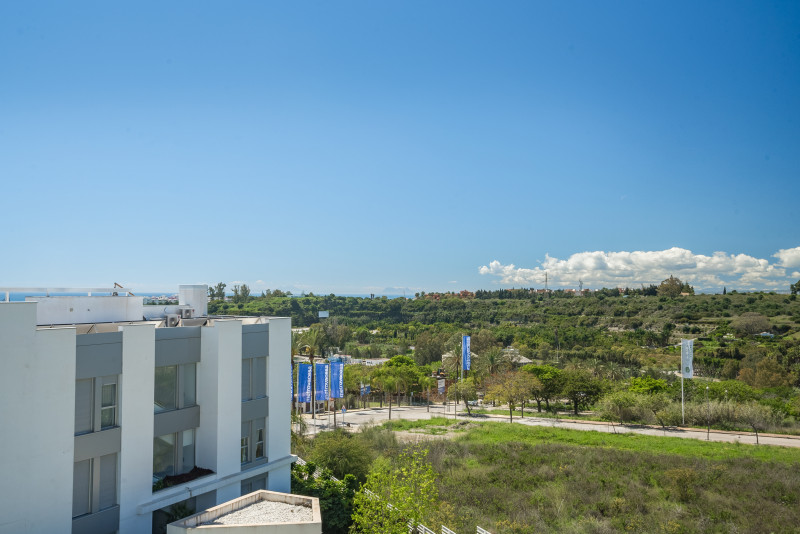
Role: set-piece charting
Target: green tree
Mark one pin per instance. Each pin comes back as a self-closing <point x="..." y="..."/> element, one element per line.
<point x="756" y="416"/>
<point x="217" y="292"/>
<point x="428" y="348"/>
<point x="673" y="287"/>
<point x="341" y="452"/>
<point x="464" y="390"/>
<point x="512" y="388"/>
<point x="408" y="486"/>
<point x="648" y="384"/>
<point x="750" y="323"/>
<point x="550" y="379"/>
<point x="657" y="404"/>
<point x="385" y="378"/>
<point x="335" y="496"/>
<point x="795" y="288"/>
<point x="580" y="388"/>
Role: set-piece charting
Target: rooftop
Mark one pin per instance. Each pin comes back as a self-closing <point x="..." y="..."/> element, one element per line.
<point x="279" y="513"/>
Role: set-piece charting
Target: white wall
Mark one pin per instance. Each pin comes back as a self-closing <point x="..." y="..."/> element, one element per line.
<point x="85" y="309"/>
<point x="136" y="422"/>
<point x="37" y="395"/>
<point x="279" y="421"/>
<point x="219" y="386"/>
<point x="195" y="296"/>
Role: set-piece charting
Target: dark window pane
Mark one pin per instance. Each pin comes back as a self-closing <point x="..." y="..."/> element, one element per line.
<point x="81" y="488"/>
<point x="166" y="388"/>
<point x="189" y="378"/>
<point x="108" y="481"/>
<point x="164" y="455"/>
<point x="84" y="405"/>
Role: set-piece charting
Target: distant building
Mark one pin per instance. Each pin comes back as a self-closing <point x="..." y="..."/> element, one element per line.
<point x="107" y="401"/>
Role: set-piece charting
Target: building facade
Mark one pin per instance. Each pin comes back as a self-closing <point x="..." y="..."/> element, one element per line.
<point x="123" y="425"/>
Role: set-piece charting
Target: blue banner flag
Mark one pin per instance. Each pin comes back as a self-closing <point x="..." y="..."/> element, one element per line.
<point x="291" y="380"/>
<point x="304" y="382"/>
<point x="337" y="380"/>
<point x="364" y="389"/>
<point x="465" y="353"/>
<point x="321" y="382"/>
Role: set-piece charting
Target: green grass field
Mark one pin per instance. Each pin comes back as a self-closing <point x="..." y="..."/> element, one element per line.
<point x="519" y="479"/>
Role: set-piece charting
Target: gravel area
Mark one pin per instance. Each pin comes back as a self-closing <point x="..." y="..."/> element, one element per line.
<point x="265" y="512"/>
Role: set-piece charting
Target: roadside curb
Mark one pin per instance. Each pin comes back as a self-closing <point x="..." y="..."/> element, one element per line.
<point x="634" y="426"/>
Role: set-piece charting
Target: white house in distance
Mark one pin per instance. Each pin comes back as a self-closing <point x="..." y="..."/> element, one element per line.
<point x="117" y="417"/>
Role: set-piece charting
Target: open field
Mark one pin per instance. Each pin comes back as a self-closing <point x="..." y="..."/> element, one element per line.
<point x="514" y="479"/>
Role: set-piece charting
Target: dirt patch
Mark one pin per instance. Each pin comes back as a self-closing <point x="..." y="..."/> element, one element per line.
<point x="434" y="432"/>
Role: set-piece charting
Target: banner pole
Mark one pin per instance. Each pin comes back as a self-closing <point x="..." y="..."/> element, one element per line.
<point x="683" y="413"/>
<point x="314" y="398"/>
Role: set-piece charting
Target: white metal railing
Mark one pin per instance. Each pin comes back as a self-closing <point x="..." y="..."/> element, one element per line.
<point x="482" y="531"/>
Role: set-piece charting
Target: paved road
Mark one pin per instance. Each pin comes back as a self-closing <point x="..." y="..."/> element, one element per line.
<point x="357" y="418"/>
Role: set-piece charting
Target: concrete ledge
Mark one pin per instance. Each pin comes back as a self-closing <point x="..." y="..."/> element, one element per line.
<point x="195" y="522"/>
<point x="103" y="521"/>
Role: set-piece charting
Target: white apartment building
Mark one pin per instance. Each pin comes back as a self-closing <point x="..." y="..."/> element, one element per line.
<point x="108" y="406"/>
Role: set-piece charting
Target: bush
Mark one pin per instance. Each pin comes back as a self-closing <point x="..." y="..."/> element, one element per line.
<point x="343" y="453"/>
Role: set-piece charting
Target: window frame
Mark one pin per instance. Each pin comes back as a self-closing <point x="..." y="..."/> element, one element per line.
<point x="180" y="387"/>
<point x="244" y="443"/>
<point x="96" y="403"/>
<point x="106" y="381"/>
<point x="95" y="482"/>
<point x="260" y="442"/>
<point x="178" y="456"/>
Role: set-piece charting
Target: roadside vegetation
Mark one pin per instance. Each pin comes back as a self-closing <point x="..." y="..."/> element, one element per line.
<point x="609" y="355"/>
<point x="519" y="479"/>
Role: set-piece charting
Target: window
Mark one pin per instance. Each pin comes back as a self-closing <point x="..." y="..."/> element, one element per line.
<point x="96" y="403"/>
<point x="164" y="456"/>
<point x="94" y="485"/>
<point x="187" y="462"/>
<point x="166" y="388"/>
<point x="259" y="443"/>
<point x="82" y="488"/>
<point x="245" y="443"/>
<point x="254" y="378"/>
<point x="173" y="454"/>
<point x="175" y="387"/>
<point x="254" y="484"/>
<point x="108" y="407"/>
<point x="84" y="406"/>
<point x="246" y="386"/>
<point x="253" y="432"/>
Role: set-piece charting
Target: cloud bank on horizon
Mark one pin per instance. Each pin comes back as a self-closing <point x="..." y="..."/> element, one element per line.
<point x="632" y="268"/>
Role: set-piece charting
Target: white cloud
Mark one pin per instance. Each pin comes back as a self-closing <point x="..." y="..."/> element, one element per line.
<point x="613" y="269"/>
<point x="789" y="258"/>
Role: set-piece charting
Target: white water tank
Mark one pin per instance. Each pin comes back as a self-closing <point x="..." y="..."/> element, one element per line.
<point x="195" y="296"/>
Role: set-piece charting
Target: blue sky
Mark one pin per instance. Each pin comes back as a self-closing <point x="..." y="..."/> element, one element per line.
<point x="351" y="147"/>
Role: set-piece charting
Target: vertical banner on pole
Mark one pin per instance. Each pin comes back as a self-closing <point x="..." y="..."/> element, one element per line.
<point x="441" y="385"/>
<point x="465" y="353"/>
<point x="687" y="358"/>
<point x="337" y="380"/>
<point x="304" y="382"/>
<point x="291" y="380"/>
<point x="321" y="384"/>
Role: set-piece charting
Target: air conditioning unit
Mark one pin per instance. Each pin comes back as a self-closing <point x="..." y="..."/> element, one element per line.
<point x="173" y="319"/>
<point x="186" y="313"/>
